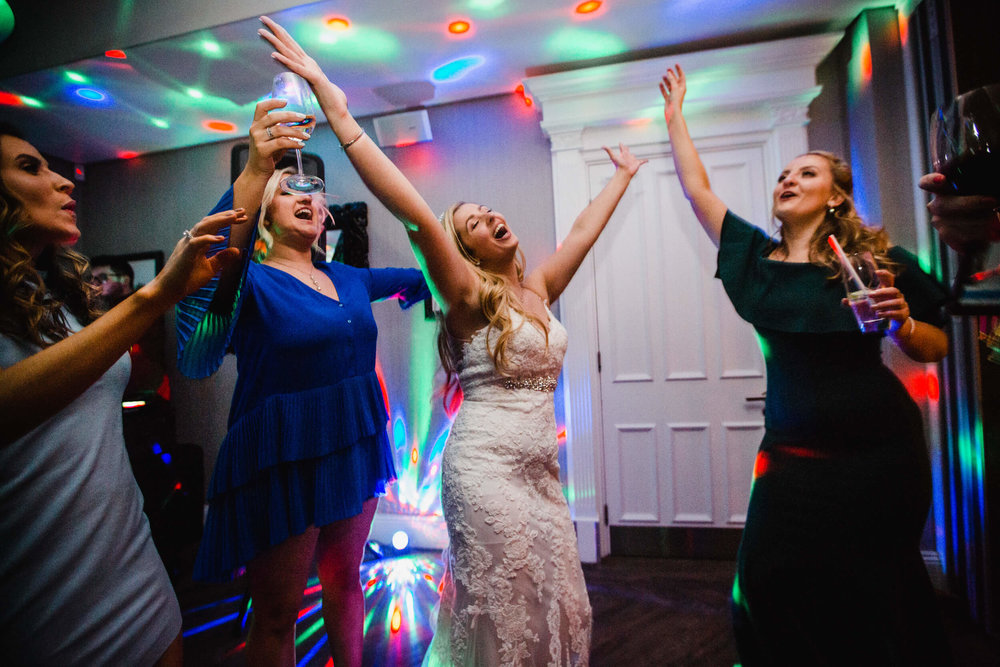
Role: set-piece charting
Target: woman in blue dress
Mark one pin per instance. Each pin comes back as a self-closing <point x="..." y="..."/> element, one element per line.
<point x="829" y="570"/>
<point x="306" y="454"/>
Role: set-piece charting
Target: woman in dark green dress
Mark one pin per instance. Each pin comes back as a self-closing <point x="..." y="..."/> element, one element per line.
<point x="829" y="570"/>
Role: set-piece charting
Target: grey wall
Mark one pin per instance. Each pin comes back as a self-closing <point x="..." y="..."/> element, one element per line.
<point x="490" y="151"/>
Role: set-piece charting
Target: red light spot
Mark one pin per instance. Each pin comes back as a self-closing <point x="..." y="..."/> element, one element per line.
<point x="904" y="29"/>
<point x="866" y="62"/>
<point x="127" y="155"/>
<point x="177" y="486"/>
<point x="338" y="23"/>
<point x="397" y="619"/>
<point x="459" y="27"/>
<point x="413" y="455"/>
<point x="10" y="99"/>
<point x="933" y="388"/>
<point x="588" y="7"/>
<point x="428" y="577"/>
<point x="115" y="53"/>
<point x="371" y="582"/>
<point x="519" y="91"/>
<point x="761" y="464"/>
<point x="405" y="142"/>
<point x="219" y="126"/>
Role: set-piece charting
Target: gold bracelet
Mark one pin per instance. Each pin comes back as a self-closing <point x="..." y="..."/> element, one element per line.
<point x="913" y="326"/>
<point x="361" y="133"/>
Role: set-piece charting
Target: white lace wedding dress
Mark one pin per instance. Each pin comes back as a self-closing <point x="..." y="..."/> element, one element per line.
<point x="513" y="591"/>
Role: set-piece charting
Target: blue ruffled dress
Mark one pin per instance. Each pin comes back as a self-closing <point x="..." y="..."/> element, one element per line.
<point x="307" y="442"/>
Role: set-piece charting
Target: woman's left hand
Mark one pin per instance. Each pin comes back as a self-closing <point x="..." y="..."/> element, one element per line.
<point x="888" y="301"/>
<point x="625" y="160"/>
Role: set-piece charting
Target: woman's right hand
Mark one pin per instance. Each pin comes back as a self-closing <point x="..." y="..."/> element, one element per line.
<point x="673" y="88"/>
<point x="269" y="139"/>
<point x="188" y="266"/>
<point x="288" y="52"/>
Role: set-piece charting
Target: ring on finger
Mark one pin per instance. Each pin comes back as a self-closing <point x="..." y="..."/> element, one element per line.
<point x="270" y="135"/>
<point x="187" y="234"/>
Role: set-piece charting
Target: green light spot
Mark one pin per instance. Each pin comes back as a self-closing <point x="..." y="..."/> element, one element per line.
<point x="310" y="631"/>
<point x="489" y="6"/>
<point x="211" y="47"/>
<point x="77" y="77"/>
<point x="581" y="44"/>
<point x="195" y="93"/>
<point x="159" y="122"/>
<point x="31" y="102"/>
<point x="357" y="44"/>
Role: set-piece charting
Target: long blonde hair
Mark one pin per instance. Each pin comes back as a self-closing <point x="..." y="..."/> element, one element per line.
<point x="31" y="306"/>
<point x="265" y="239"/>
<point x="845" y="224"/>
<point x="496" y="299"/>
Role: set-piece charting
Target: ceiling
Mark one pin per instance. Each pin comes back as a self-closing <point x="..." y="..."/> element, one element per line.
<point x="193" y="70"/>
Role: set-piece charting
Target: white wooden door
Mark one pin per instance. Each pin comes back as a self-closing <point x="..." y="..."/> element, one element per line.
<point x="677" y="363"/>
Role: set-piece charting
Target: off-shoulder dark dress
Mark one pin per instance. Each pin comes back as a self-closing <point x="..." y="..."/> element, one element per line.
<point x="829" y="569"/>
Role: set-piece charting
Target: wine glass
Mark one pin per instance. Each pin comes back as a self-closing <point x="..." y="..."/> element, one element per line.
<point x="965" y="147"/>
<point x="298" y="97"/>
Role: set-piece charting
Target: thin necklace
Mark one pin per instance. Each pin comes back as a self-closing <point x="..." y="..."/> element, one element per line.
<point x="297" y="269"/>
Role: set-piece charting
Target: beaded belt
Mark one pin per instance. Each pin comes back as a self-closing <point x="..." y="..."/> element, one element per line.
<point x="540" y="383"/>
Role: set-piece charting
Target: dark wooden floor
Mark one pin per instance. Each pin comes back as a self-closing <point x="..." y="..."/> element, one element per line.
<point x="647" y="611"/>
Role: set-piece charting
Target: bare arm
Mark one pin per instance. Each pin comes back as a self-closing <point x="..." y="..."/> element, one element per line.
<point x="962" y="221"/>
<point x="708" y="208"/>
<point x="35" y="389"/>
<point x="558" y="269"/>
<point x="453" y="282"/>
<point x="268" y="142"/>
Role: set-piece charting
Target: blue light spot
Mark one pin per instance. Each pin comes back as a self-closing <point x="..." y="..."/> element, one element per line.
<point x="456" y="69"/>
<point x="156" y="448"/>
<point x="166" y="458"/>
<point x="91" y="94"/>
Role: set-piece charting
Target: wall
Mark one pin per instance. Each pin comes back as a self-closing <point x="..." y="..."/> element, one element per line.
<point x="490" y="150"/>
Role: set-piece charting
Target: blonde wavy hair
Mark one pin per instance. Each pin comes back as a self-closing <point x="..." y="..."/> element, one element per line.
<point x="31" y="306"/>
<point x="845" y="224"/>
<point x="265" y="240"/>
<point x="497" y="301"/>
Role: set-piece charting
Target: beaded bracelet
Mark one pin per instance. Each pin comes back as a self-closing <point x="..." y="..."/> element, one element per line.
<point x="361" y="133"/>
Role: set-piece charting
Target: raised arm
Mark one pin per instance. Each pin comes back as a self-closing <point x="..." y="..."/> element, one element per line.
<point x="453" y="282"/>
<point x="35" y="389"/>
<point x="708" y="208"/>
<point x="553" y="274"/>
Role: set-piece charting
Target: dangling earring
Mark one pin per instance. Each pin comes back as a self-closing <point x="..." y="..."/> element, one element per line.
<point x="831" y="211"/>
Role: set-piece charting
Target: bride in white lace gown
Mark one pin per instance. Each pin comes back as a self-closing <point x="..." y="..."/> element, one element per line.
<point x="514" y="593"/>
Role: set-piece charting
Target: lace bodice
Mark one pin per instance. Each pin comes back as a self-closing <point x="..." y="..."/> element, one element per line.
<point x="513" y="592"/>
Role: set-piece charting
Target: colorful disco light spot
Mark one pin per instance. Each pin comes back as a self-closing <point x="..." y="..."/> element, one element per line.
<point x="338" y="23"/>
<point x="491" y="6"/>
<point x="397" y="620"/>
<point x="211" y="47"/>
<point x="460" y="27"/>
<point x="92" y="95"/>
<point x="358" y="44"/>
<point x="76" y="77"/>
<point x="127" y="155"/>
<point x="220" y="126"/>
<point x="400" y="540"/>
<point x="520" y="92"/>
<point x="160" y="123"/>
<point x="456" y="69"/>
<point x="580" y="44"/>
<point x="117" y="54"/>
<point x="10" y="99"/>
<point x="31" y="102"/>
<point x="588" y="7"/>
<point x="195" y="93"/>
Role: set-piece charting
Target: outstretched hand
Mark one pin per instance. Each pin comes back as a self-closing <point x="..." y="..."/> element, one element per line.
<point x="288" y="52"/>
<point x="188" y="266"/>
<point x="673" y="88"/>
<point x="625" y="160"/>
